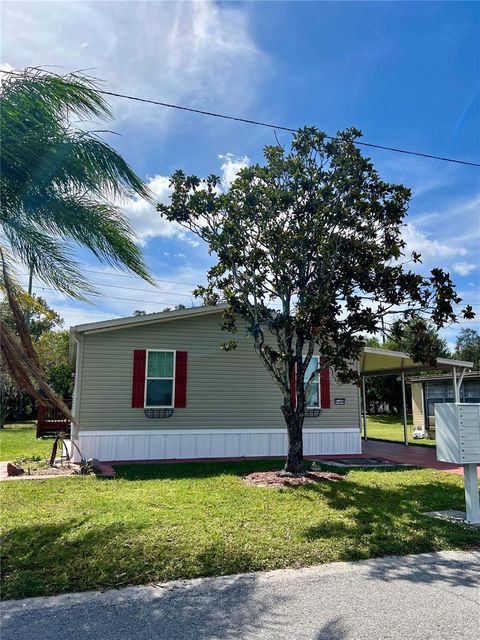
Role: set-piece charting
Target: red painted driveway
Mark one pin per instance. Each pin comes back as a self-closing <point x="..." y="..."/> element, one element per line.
<point x="415" y="455"/>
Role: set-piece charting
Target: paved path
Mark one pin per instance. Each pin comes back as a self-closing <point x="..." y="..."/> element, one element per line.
<point x="430" y="596"/>
<point x="413" y="454"/>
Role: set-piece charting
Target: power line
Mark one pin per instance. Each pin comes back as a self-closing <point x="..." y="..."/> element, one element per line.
<point x="145" y="302"/>
<point x="269" y="125"/>
<point x="124" y="275"/>
<point x="101" y="295"/>
<point x="119" y="286"/>
<point x="259" y="123"/>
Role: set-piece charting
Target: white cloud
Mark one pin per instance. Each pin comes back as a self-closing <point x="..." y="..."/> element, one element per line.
<point x="463" y="268"/>
<point x="147" y="221"/>
<point x="230" y="167"/>
<point x="423" y="243"/>
<point x="200" y="53"/>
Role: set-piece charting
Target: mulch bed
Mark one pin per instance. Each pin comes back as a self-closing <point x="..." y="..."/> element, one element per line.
<point x="274" y="479"/>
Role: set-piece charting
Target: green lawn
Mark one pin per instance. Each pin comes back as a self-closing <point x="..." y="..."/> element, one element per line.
<point x="390" y="428"/>
<point x="17" y="440"/>
<point x="159" y="522"/>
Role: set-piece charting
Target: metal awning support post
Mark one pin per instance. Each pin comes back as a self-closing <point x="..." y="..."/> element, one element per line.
<point x="460" y="381"/>
<point x="456" y="389"/>
<point x="364" y="409"/>
<point x="404" y="404"/>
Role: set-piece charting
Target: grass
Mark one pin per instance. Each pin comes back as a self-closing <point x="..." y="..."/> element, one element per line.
<point x="161" y="522"/>
<point x="18" y="440"/>
<point x="390" y="429"/>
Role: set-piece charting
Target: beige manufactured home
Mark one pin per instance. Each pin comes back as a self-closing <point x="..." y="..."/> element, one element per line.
<point x="159" y="387"/>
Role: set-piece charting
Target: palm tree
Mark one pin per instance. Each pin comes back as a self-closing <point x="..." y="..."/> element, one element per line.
<point x="60" y="182"/>
<point x="61" y="185"/>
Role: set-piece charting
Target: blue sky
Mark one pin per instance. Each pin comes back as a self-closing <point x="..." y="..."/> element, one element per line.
<point x="406" y="73"/>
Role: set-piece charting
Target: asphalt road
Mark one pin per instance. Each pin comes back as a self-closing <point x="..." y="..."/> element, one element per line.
<point x="426" y="596"/>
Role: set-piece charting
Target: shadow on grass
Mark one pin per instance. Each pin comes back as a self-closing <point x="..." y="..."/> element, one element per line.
<point x="389" y="520"/>
<point x="79" y="556"/>
<point x="201" y="470"/>
<point x="192" y="470"/>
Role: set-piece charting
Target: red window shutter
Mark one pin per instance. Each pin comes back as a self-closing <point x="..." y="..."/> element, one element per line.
<point x="293" y="385"/>
<point x="181" y="379"/>
<point x="138" y="381"/>
<point x="324" y="387"/>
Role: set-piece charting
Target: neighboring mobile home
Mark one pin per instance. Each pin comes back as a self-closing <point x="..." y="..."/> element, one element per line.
<point x="428" y="390"/>
<point x="159" y="387"/>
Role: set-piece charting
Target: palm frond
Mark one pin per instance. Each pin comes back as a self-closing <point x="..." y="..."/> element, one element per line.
<point x="48" y="257"/>
<point x="100" y="227"/>
<point x="50" y="95"/>
<point x="61" y="183"/>
<point x="26" y="373"/>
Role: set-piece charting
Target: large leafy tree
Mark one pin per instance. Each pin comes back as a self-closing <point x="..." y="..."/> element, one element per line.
<point x="60" y="187"/>
<point x="309" y="254"/>
<point x="467" y="347"/>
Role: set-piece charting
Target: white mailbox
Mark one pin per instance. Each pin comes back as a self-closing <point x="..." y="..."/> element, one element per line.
<point x="457" y="429"/>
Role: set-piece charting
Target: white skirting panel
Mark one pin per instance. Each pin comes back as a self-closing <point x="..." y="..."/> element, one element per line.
<point x="212" y="443"/>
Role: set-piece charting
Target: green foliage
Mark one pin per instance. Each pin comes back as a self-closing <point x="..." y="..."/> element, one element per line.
<point x="416" y="337"/>
<point x="60" y="379"/>
<point x="309" y="252"/>
<point x="9" y="396"/>
<point x="60" y="182"/>
<point x="52" y="348"/>
<point x="175" y="521"/>
<point x="468" y="347"/>
<point x="42" y="317"/>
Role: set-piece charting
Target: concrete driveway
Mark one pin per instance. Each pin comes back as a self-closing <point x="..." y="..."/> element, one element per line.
<point x="426" y="596"/>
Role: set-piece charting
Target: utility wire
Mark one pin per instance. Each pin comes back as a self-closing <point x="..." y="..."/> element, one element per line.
<point x="146" y="302"/>
<point x="123" y="275"/>
<point x="101" y="295"/>
<point x="269" y="125"/>
<point x="259" y="123"/>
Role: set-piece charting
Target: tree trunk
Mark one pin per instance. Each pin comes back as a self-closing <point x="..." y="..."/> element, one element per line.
<point x="294" y="463"/>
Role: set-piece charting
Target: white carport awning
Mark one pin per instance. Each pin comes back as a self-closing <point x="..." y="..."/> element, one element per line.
<point x="383" y="362"/>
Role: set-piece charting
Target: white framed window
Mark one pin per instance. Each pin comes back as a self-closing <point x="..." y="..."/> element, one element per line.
<point x="312" y="388"/>
<point x="159" y="379"/>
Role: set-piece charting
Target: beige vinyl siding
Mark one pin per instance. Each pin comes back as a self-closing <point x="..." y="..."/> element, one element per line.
<point x="224" y="389"/>
<point x="417" y="404"/>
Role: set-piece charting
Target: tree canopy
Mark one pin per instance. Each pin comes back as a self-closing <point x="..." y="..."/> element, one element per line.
<point x="309" y="253"/>
<point x="467" y="347"/>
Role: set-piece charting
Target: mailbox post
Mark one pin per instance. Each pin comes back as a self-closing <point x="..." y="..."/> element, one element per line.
<point x="457" y="428"/>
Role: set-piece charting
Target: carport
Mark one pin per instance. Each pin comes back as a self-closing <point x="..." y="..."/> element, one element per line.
<point x="383" y="362"/>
